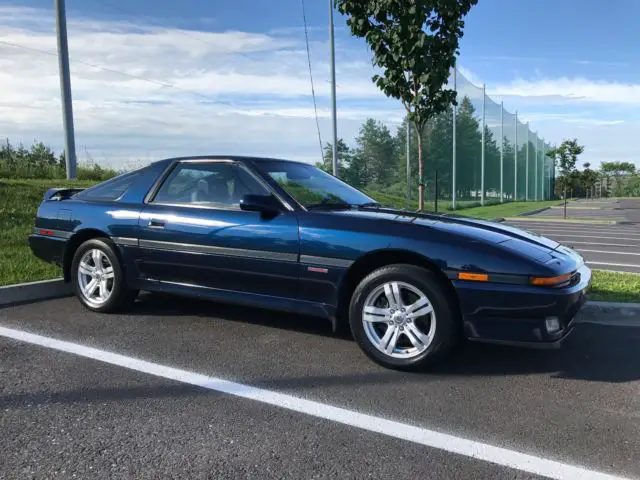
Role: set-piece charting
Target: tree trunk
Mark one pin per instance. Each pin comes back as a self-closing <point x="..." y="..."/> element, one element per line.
<point x="420" y="172"/>
<point x="565" y="201"/>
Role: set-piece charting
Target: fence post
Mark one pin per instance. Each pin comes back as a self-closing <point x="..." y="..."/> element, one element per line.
<point x="501" y="152"/>
<point x="541" y="157"/>
<point x="515" y="159"/>
<point x="408" y="162"/>
<point x="436" y="192"/>
<point x="538" y="184"/>
<point x="484" y="114"/>
<point x="526" y="166"/>
<point x="453" y="176"/>
<point x="535" y="171"/>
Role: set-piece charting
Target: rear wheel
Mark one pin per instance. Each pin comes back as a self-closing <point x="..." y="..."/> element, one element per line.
<point x="98" y="277"/>
<point x="402" y="317"/>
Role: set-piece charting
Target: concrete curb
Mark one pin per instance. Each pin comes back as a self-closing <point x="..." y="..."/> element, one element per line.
<point x="533" y="212"/>
<point x="619" y="305"/>
<point x="611" y="314"/>
<point x="581" y="208"/>
<point x="34" y="291"/>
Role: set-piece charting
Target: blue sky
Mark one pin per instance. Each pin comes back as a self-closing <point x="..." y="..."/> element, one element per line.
<point x="239" y="82"/>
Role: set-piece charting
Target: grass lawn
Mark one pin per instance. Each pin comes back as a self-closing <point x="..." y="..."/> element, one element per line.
<point x="19" y="200"/>
<point x="615" y="287"/>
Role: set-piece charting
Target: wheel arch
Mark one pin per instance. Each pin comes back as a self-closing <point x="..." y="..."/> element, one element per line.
<point x="377" y="259"/>
<point x="74" y="242"/>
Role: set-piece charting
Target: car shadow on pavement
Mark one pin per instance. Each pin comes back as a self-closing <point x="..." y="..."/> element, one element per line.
<point x="168" y="305"/>
<point x="598" y="353"/>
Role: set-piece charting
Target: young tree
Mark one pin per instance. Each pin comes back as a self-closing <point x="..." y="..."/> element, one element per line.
<point x="566" y="156"/>
<point x="344" y="154"/>
<point x="377" y="150"/>
<point x="508" y="152"/>
<point x="588" y="178"/>
<point x="469" y="153"/>
<point x="415" y="43"/>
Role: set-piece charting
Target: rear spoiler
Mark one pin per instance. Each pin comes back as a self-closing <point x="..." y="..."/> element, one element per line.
<point x="58" y="194"/>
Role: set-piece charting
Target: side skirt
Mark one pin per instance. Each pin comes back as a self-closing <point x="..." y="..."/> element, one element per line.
<point x="298" y="307"/>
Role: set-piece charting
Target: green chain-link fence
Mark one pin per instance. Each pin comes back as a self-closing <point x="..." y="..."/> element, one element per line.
<point x="481" y="154"/>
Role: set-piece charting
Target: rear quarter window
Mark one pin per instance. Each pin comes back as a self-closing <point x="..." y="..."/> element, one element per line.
<point x="111" y="190"/>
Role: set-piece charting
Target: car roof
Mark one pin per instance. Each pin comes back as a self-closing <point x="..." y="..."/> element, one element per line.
<point x="238" y="158"/>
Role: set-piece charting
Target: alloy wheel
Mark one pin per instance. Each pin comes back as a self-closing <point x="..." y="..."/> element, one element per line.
<point x="399" y="320"/>
<point x="96" y="277"/>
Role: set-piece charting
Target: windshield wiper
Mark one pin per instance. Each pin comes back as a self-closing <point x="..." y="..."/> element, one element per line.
<point x="370" y="204"/>
<point x="327" y="205"/>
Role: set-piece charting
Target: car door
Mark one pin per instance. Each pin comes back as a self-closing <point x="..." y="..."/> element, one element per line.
<point x="193" y="232"/>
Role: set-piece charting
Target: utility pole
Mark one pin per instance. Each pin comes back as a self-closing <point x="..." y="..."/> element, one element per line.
<point x="334" y="116"/>
<point x="65" y="89"/>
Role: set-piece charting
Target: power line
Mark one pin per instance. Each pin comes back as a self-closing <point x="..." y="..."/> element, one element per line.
<point x="118" y="72"/>
<point x="313" y="92"/>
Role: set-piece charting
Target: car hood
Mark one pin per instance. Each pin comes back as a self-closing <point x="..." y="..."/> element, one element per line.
<point x="472" y="228"/>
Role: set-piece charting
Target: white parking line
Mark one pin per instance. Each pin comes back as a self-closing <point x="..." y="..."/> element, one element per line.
<point x="430" y="438"/>
<point x="582" y="228"/>
<point x="599" y="237"/>
<point x="634" y="233"/>
<point x="607" y="252"/>
<point x="607" y="244"/>
<point x="619" y="235"/>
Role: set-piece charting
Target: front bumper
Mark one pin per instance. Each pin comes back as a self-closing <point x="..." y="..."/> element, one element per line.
<point x="515" y="314"/>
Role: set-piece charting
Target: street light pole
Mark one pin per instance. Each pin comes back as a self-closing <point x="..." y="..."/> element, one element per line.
<point x="65" y="89"/>
<point x="334" y="116"/>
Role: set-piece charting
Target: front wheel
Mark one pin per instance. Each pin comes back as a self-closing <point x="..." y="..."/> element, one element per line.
<point x="98" y="277"/>
<point x="402" y="317"/>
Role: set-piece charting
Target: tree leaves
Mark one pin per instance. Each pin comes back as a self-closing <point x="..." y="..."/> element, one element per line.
<point x="415" y="43"/>
<point x="565" y="157"/>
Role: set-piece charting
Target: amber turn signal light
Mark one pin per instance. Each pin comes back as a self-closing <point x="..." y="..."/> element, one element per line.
<point x="550" y="281"/>
<point x="476" y="277"/>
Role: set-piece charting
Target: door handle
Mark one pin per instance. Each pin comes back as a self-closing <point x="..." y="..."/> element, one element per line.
<point x="156" y="224"/>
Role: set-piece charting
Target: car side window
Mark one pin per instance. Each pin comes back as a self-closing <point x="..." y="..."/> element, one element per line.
<point x="112" y="189"/>
<point x="215" y="184"/>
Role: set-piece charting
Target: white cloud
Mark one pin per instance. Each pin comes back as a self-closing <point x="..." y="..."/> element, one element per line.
<point x="571" y="89"/>
<point x="231" y="92"/>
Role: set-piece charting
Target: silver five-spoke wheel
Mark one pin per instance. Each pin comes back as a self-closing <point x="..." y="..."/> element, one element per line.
<point x="399" y="320"/>
<point x="95" y="277"/>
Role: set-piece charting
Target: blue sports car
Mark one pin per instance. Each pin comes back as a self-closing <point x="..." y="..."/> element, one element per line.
<point x="287" y="236"/>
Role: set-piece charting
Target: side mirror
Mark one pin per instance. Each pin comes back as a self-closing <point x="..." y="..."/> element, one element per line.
<point x="265" y="204"/>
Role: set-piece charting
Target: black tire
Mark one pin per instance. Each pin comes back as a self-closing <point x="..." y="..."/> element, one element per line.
<point x="447" y="323"/>
<point x="121" y="295"/>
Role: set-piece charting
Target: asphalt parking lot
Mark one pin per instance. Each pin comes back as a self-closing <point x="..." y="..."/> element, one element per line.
<point x="613" y="247"/>
<point x="71" y="412"/>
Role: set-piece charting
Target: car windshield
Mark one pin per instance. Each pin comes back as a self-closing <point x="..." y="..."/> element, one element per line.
<point x="314" y="188"/>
